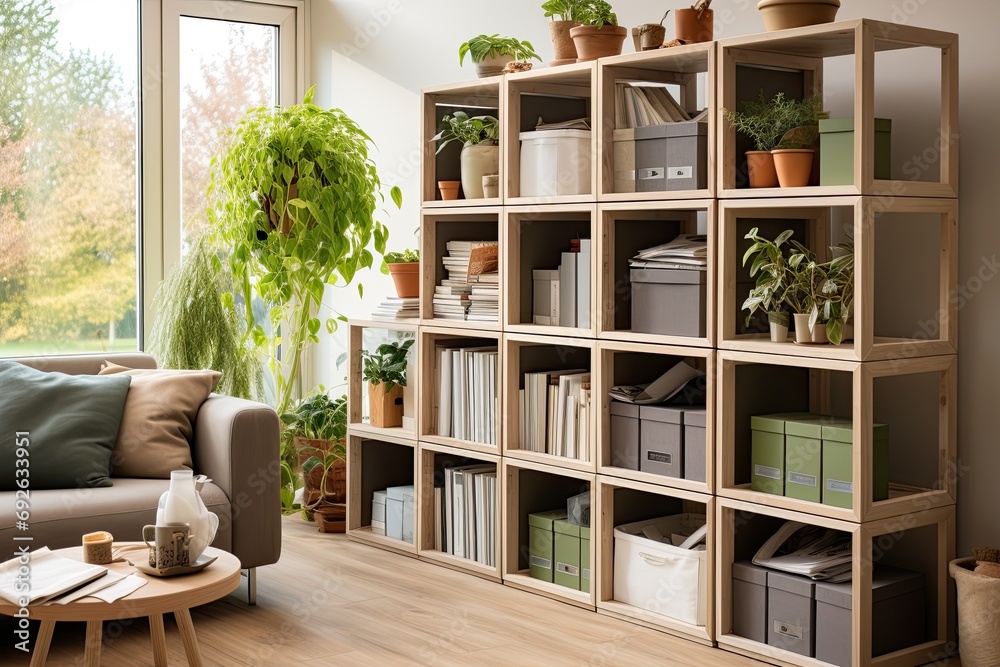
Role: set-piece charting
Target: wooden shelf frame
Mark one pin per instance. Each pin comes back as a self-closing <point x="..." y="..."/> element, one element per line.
<point x="516" y="256"/>
<point x="870" y="541"/>
<point x="576" y="81"/>
<point x="867" y="212"/>
<point x="356" y="384"/>
<point x="360" y="486"/>
<point x="476" y="221"/>
<point x="512" y="346"/>
<point x="430" y="338"/>
<point x="424" y="522"/>
<point x="705" y="359"/>
<point x="679" y="65"/>
<point x="804" y="49"/>
<point x="903" y="500"/>
<point x="478" y="94"/>
<point x="513" y="574"/>
<point x="603" y="523"/>
<point x="612" y="262"/>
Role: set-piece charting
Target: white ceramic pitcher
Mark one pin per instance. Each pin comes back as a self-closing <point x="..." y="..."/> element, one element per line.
<point x="182" y="503"/>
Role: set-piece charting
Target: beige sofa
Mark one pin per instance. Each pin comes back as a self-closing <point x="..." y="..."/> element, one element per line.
<point x="236" y="444"/>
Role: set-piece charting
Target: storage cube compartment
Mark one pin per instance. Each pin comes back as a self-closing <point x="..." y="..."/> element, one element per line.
<point x="551" y="270"/>
<point x="642" y="163"/>
<point x="437" y="229"/>
<point x="668" y="444"/>
<point x="557" y="169"/>
<point x="367" y="337"/>
<point x="476" y="98"/>
<point x="775" y="406"/>
<point x="899" y="577"/>
<point x="457" y="483"/>
<point x="896" y="311"/>
<point x="533" y="414"/>
<point x="536" y="498"/>
<point x="856" y="65"/>
<point x="654" y="300"/>
<point x="384" y="464"/>
<point x="647" y="581"/>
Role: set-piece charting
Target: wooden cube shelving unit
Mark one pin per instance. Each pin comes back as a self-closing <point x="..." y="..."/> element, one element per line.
<point x="395" y="331"/>
<point x="373" y="464"/>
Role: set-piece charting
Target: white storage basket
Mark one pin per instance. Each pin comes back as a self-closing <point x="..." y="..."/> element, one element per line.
<point x="555" y="162"/>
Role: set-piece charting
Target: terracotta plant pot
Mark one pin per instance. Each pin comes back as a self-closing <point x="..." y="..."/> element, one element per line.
<point x="385" y="407"/>
<point x="782" y="14"/>
<point x="477" y="161"/>
<point x="449" y="189"/>
<point x="592" y="43"/>
<point x="331" y="518"/>
<point x="563" y="48"/>
<point x="760" y="168"/>
<point x="648" y="36"/>
<point x="978" y="614"/>
<point x="692" y="29"/>
<point x="406" y="278"/>
<point x="793" y="166"/>
<point x="335" y="487"/>
<point x="492" y="66"/>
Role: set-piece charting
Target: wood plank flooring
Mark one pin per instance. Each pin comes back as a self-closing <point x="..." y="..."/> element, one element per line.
<point x="334" y="602"/>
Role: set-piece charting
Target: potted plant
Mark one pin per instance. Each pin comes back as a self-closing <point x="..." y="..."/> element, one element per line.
<point x="650" y="36"/>
<point x="782" y="14"/>
<point x="795" y="153"/>
<point x="822" y="294"/>
<point x="598" y="34"/>
<point x="695" y="23"/>
<point x="563" y="17"/>
<point x="770" y="267"/>
<point x="759" y="122"/>
<point x="480" y="152"/>
<point x="385" y="372"/>
<point x="404" y="267"/>
<point x="317" y="427"/>
<point x="490" y="53"/>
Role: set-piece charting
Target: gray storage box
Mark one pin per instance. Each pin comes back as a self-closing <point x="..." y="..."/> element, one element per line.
<point x="624" y="435"/>
<point x="671" y="302"/>
<point x="661" y="440"/>
<point x="750" y="601"/>
<point x="791" y="613"/>
<point x="399" y="513"/>
<point x="694" y="444"/>
<point x="899" y="615"/>
<point x="671" y="157"/>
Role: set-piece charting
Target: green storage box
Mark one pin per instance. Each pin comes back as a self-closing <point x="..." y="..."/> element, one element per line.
<point x="767" y="457"/>
<point x="836" y="150"/>
<point x="803" y="458"/>
<point x="567" y="555"/>
<point x="838" y="453"/>
<point x="585" y="559"/>
<point x="541" y="543"/>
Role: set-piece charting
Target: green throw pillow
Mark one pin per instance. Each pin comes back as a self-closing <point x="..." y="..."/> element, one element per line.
<point x="68" y="426"/>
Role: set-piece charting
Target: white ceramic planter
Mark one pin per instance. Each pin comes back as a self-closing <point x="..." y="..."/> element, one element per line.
<point x="492" y="66"/>
<point x="804" y="335"/>
<point x="478" y="161"/>
<point x="779" y="332"/>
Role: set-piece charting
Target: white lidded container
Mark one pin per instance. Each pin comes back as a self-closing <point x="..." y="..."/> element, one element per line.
<point x="658" y="577"/>
<point x="555" y="162"/>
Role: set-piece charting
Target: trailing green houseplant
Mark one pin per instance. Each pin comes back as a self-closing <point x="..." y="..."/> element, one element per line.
<point x="599" y="34"/>
<point x="317" y="429"/>
<point x="490" y="53"/>
<point x="480" y="155"/>
<point x="770" y="268"/>
<point x="385" y="372"/>
<point x="825" y="291"/>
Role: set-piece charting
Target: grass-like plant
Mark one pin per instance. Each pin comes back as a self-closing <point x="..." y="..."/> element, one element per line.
<point x="386" y="365"/>
<point x="406" y="257"/>
<point x="562" y="10"/>
<point x="469" y="130"/>
<point x="481" y="47"/>
<point x="597" y="13"/>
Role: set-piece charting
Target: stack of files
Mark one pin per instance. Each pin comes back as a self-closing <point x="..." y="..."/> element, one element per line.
<point x="466" y="393"/>
<point x="485" y="298"/>
<point x="465" y="510"/>
<point x="555" y="413"/>
<point x="575" y="124"/>
<point x="464" y="263"/>
<point x="687" y="251"/>
<point x="641" y="106"/>
<point x="822" y="554"/>
<point x="660" y="390"/>
<point x="395" y="308"/>
<point x="561" y="297"/>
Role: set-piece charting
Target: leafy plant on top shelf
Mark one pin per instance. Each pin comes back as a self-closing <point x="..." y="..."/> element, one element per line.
<point x="562" y="10"/>
<point x="482" y="47"/>
<point x="597" y="13"/>
<point x="386" y="365"/>
<point x="469" y="130"/>
<point x="405" y="257"/>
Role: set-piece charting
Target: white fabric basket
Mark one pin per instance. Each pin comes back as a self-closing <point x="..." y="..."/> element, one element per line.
<point x="555" y="162"/>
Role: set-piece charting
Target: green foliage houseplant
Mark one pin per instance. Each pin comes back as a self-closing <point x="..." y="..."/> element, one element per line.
<point x="564" y="16"/>
<point x="480" y="154"/>
<point x="385" y="372"/>
<point x="404" y="267"/>
<point x="490" y="53"/>
<point x="599" y="34"/>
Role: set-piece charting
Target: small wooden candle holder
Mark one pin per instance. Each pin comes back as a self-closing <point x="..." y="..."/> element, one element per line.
<point x="97" y="548"/>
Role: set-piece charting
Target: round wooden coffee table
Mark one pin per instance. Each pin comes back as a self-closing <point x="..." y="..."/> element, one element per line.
<point x="160" y="596"/>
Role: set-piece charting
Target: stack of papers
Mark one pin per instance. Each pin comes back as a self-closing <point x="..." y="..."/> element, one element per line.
<point x="575" y="124"/>
<point x="822" y="554"/>
<point x="687" y="251"/>
<point x="660" y="390"/>
<point x="55" y="579"/>
<point x="395" y="308"/>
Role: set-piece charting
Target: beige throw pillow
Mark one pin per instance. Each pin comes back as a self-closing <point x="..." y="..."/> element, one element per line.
<point x="158" y="421"/>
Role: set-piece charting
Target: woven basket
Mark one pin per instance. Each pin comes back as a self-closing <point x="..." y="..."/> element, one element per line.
<point x="978" y="614"/>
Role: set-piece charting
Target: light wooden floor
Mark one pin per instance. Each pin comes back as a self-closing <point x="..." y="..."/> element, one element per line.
<point x="333" y="602"/>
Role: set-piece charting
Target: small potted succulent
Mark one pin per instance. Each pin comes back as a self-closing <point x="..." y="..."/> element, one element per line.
<point x="491" y="53"/>
<point x="480" y="153"/>
<point x="404" y="267"/>
<point x="563" y="15"/>
<point x="599" y="34"/>
<point x="385" y="372"/>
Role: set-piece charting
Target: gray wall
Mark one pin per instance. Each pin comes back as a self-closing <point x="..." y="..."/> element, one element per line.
<point x="371" y="58"/>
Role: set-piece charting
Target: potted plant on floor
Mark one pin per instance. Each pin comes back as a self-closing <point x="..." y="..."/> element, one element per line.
<point x="480" y="153"/>
<point x="770" y="267"/>
<point x="404" y="267"/>
<point x="385" y="372"/>
<point x="563" y="18"/>
<point x="782" y="14"/>
<point x="491" y="53"/>
<point x="599" y="34"/>
<point x="317" y="427"/>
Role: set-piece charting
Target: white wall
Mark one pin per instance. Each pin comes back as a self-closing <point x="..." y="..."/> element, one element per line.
<point x="372" y="57"/>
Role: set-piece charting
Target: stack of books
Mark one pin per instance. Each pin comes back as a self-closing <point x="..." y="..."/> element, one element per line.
<point x="687" y="251"/>
<point x="465" y="263"/>
<point x="466" y="391"/>
<point x="395" y="308"/>
<point x="485" y="298"/>
<point x="554" y="413"/>
<point x="561" y="296"/>
<point x="465" y="507"/>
